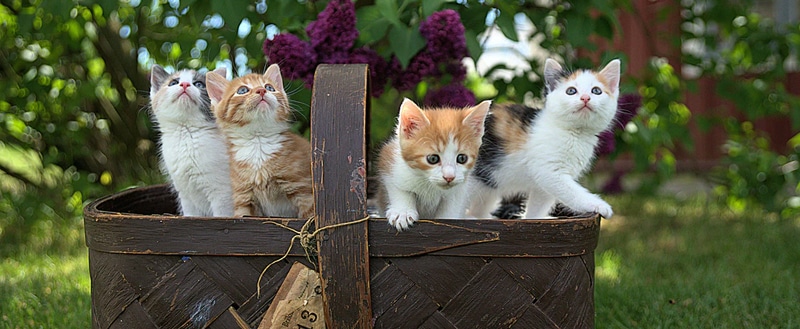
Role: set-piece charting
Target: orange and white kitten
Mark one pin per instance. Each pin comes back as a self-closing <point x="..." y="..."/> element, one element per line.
<point x="423" y="169"/>
<point x="270" y="166"/>
<point x="543" y="153"/>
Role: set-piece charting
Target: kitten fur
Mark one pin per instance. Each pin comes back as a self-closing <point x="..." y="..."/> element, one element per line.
<point x="542" y="153"/>
<point x="193" y="151"/>
<point x="270" y="167"/>
<point x="410" y="186"/>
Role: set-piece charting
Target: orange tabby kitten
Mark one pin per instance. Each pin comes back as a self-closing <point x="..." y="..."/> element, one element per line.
<point x="270" y="166"/>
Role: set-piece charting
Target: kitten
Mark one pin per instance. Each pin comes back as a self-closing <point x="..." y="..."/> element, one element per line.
<point x="543" y="153"/>
<point x="423" y="168"/>
<point x="193" y="151"/>
<point x="270" y="167"/>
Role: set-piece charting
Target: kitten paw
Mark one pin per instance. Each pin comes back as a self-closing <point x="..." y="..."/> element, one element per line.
<point x="599" y="206"/>
<point x="402" y="219"/>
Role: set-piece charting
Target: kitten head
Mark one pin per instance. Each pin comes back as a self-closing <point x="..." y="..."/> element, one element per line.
<point x="441" y="143"/>
<point x="584" y="99"/>
<point x="250" y="98"/>
<point x="180" y="97"/>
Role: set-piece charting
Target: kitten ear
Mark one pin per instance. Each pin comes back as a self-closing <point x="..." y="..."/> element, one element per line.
<point x="157" y="77"/>
<point x="274" y="74"/>
<point x="221" y="71"/>
<point x="215" y="86"/>
<point x="476" y="117"/>
<point x="411" y="119"/>
<point x="552" y="74"/>
<point x="611" y="74"/>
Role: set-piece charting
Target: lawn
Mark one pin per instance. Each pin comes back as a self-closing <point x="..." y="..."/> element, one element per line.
<point x="661" y="263"/>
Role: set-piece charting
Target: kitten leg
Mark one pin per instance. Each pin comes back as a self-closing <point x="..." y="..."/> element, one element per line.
<point x="575" y="196"/>
<point x="452" y="207"/>
<point x="302" y="197"/>
<point x="538" y="205"/>
<point x="401" y="211"/>
<point x="243" y="202"/>
<point x="482" y="202"/>
<point x="221" y="204"/>
<point x="188" y="208"/>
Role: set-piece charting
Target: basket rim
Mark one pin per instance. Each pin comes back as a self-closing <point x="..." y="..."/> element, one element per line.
<point x="131" y="233"/>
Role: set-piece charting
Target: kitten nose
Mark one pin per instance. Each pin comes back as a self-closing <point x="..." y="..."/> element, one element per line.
<point x="185" y="84"/>
<point x="449" y="179"/>
<point x="261" y="91"/>
<point x="585" y="98"/>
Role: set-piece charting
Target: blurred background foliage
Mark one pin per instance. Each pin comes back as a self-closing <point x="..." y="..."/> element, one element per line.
<point x="74" y="123"/>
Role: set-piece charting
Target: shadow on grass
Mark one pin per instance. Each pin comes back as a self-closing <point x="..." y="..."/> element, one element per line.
<point x="694" y="264"/>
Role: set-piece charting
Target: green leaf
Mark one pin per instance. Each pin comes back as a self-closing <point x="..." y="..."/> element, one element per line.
<point x="371" y="24"/>
<point x="577" y="29"/>
<point x="405" y="42"/>
<point x="230" y="13"/>
<point x="473" y="45"/>
<point x="431" y="6"/>
<point x="505" y="21"/>
<point x="389" y="10"/>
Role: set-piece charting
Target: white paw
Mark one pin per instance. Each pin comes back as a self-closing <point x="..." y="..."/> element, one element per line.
<point x="597" y="205"/>
<point x="401" y="219"/>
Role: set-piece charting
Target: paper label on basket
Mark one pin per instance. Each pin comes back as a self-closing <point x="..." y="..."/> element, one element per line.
<point x="298" y="303"/>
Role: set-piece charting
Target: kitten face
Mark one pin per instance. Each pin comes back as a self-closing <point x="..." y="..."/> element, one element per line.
<point x="250" y="98"/>
<point x="587" y="99"/>
<point x="441" y="144"/>
<point x="181" y="96"/>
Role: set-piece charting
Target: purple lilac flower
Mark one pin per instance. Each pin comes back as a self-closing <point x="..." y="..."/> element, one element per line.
<point x="614" y="184"/>
<point x="457" y="71"/>
<point x="334" y="32"/>
<point x="444" y="33"/>
<point x="606" y="144"/>
<point x="378" y="68"/>
<point x="627" y="107"/>
<point x="421" y="65"/>
<point x="451" y="95"/>
<point x="295" y="56"/>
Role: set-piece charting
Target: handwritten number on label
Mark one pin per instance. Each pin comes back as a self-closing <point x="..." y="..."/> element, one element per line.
<point x="312" y="317"/>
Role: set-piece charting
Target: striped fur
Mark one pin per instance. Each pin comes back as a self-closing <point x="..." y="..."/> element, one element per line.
<point x="270" y="166"/>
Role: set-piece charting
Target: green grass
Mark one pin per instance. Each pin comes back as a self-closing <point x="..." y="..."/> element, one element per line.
<point x="691" y="264"/>
<point x="661" y="263"/>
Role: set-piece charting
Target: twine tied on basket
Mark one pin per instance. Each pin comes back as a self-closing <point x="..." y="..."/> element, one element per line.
<point x="307" y="241"/>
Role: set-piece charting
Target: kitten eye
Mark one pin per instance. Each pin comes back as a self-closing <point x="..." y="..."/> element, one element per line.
<point x="572" y="91"/>
<point x="269" y="87"/>
<point x="461" y="158"/>
<point x="242" y="90"/>
<point x="173" y="82"/>
<point x="596" y="91"/>
<point x="199" y="84"/>
<point x="432" y="158"/>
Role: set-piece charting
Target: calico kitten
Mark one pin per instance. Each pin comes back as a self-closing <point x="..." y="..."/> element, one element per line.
<point x="192" y="149"/>
<point x="270" y="166"/>
<point x="543" y="153"/>
<point x="423" y="168"/>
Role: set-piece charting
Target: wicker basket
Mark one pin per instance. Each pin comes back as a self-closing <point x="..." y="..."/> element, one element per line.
<point x="152" y="269"/>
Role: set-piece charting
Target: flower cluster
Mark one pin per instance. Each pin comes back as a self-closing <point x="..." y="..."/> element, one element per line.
<point x="627" y="106"/>
<point x="332" y="38"/>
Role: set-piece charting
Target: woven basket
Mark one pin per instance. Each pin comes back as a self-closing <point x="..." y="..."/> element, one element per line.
<point x="153" y="269"/>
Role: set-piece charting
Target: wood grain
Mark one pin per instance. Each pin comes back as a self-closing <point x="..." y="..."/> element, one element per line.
<point x="338" y="127"/>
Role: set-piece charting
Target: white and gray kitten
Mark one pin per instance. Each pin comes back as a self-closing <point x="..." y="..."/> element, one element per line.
<point x="193" y="151"/>
<point x="543" y="153"/>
